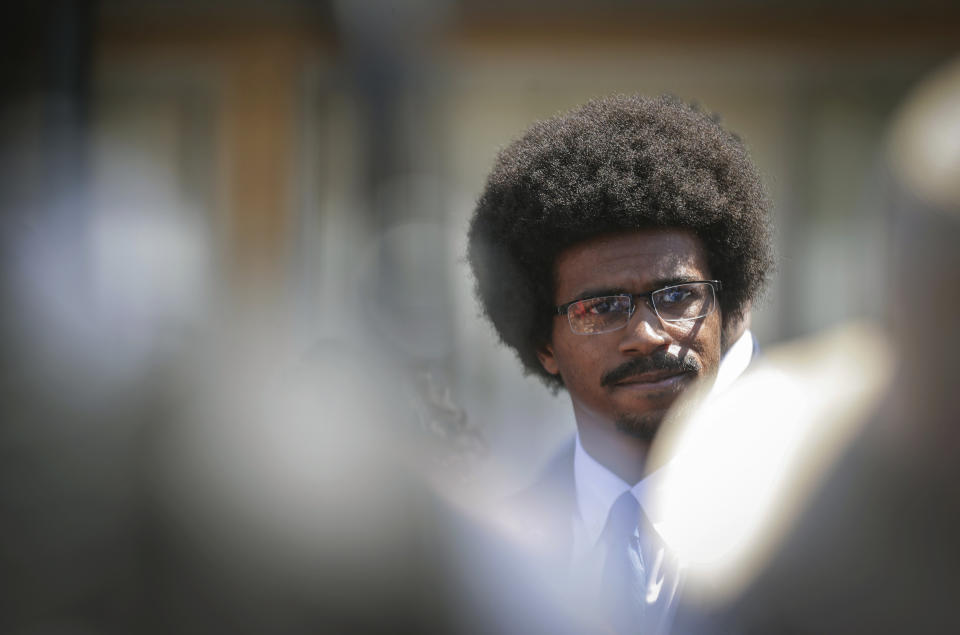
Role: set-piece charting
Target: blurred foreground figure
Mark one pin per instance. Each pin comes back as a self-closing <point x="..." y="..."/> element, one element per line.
<point x="286" y="502"/>
<point x="617" y="249"/>
<point x="845" y="496"/>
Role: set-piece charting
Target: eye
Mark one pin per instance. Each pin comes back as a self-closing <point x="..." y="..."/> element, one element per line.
<point x="675" y="295"/>
<point x="599" y="315"/>
<point x="601" y="306"/>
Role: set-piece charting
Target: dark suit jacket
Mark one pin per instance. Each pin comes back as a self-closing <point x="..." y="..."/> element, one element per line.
<point x="545" y="509"/>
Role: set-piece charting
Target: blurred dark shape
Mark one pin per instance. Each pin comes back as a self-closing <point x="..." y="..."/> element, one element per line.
<point x="876" y="549"/>
<point x="186" y="492"/>
<point x="66" y="550"/>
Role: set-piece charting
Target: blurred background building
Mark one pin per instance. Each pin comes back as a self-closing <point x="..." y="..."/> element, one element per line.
<point x="168" y="166"/>
<point x="324" y="157"/>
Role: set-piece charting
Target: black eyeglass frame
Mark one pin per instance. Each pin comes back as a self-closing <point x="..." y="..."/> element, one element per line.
<point x="648" y="297"/>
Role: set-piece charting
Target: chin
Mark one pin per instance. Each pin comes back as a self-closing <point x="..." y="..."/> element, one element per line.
<point x="640" y="426"/>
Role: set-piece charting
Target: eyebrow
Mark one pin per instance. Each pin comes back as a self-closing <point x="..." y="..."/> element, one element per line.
<point x="660" y="283"/>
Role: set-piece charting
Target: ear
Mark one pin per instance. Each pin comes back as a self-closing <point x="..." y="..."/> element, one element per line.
<point x="547" y="359"/>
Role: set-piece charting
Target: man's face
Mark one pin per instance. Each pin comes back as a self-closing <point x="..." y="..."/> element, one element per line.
<point x="628" y="378"/>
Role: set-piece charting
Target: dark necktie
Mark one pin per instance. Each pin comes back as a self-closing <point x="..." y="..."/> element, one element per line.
<point x="623" y="584"/>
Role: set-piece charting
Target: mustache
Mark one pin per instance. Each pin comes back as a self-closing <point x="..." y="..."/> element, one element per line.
<point x="659" y="360"/>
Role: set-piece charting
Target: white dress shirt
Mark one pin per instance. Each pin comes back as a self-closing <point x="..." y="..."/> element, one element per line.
<point x="597" y="488"/>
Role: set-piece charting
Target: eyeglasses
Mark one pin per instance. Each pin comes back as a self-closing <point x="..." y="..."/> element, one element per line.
<point x="678" y="304"/>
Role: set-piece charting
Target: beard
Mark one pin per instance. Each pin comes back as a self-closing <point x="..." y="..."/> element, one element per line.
<point x="640" y="426"/>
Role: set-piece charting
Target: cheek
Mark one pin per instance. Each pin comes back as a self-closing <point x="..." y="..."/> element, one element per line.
<point x="578" y="360"/>
<point x="708" y="344"/>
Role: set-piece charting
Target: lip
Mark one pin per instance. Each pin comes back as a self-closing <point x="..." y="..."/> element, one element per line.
<point x="654" y="382"/>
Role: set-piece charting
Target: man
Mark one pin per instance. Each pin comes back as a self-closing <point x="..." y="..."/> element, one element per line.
<point x="617" y="249"/>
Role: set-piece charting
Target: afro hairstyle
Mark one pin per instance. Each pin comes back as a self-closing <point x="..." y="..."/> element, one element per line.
<point x="616" y="164"/>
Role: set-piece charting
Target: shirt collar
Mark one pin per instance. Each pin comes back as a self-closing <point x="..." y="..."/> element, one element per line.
<point x="597" y="488"/>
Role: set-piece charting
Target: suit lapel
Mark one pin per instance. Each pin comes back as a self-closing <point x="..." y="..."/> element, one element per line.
<point x="544" y="511"/>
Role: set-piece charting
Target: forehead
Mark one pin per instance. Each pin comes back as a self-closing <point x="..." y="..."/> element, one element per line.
<point x="633" y="261"/>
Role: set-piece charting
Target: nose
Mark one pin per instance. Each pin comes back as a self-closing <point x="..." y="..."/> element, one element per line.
<point x="644" y="332"/>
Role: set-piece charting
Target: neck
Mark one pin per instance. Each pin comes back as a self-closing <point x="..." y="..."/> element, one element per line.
<point x="620" y="453"/>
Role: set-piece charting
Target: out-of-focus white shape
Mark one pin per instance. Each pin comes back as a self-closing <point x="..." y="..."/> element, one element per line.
<point x="151" y="280"/>
<point x="924" y="144"/>
<point x="150" y="248"/>
<point x="746" y="459"/>
<point x="147" y="239"/>
<point x="150" y="263"/>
